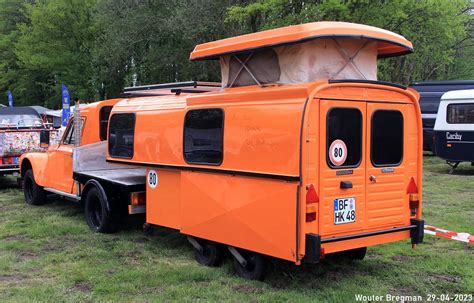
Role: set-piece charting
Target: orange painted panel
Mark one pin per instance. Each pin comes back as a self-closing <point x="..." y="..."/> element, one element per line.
<point x="58" y="173"/>
<point x="256" y="135"/>
<point x="251" y="213"/>
<point x="163" y="200"/>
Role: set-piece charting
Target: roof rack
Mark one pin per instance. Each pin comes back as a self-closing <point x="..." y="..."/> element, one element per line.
<point x="176" y="88"/>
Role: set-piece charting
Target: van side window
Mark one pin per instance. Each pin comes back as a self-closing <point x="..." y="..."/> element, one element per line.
<point x="345" y="124"/>
<point x="387" y="138"/>
<point x="203" y="136"/>
<point x="104" y="115"/>
<point x="460" y="113"/>
<point x="121" y="135"/>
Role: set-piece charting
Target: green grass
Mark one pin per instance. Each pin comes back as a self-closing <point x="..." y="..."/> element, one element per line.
<point x="47" y="253"/>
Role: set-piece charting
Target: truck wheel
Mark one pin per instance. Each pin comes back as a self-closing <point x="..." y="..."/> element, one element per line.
<point x="98" y="217"/>
<point x="34" y="194"/>
<point x="255" y="268"/>
<point x="210" y="255"/>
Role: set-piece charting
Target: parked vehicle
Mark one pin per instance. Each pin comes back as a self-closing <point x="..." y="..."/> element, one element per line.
<point x="76" y="168"/>
<point x="52" y="171"/>
<point x="301" y="154"/>
<point x="430" y="96"/>
<point x="20" y="129"/>
<point x="454" y="128"/>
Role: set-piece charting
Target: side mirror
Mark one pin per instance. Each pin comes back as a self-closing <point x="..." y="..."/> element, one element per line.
<point x="44" y="138"/>
<point x="57" y="122"/>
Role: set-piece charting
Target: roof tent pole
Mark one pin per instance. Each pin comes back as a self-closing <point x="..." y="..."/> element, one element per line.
<point x="248" y="70"/>
<point x="241" y="68"/>
<point x="349" y="59"/>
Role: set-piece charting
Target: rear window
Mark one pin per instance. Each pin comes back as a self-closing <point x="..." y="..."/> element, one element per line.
<point x="104" y="115"/>
<point x="20" y="121"/>
<point x="387" y="138"/>
<point x="344" y="137"/>
<point x="203" y="136"/>
<point x="461" y="113"/>
<point x="121" y="135"/>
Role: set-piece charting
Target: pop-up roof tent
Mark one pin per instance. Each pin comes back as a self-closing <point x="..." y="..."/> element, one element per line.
<point x="303" y="53"/>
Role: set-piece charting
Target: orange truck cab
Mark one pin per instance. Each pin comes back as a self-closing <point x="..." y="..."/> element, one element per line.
<point x="76" y="168"/>
<point x="301" y="153"/>
<point x="52" y="171"/>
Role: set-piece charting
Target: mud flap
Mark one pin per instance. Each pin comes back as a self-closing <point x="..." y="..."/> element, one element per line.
<point x="418" y="231"/>
<point x="313" y="249"/>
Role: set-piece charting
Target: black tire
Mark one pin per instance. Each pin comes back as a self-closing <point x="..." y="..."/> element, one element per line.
<point x="355" y="254"/>
<point x="255" y="268"/>
<point x="211" y="254"/>
<point x="98" y="218"/>
<point x="34" y="194"/>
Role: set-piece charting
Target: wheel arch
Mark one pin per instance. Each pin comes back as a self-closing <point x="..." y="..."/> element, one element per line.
<point x="37" y="163"/>
<point x="95" y="184"/>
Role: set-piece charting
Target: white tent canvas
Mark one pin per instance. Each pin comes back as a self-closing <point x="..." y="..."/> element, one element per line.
<point x="326" y="58"/>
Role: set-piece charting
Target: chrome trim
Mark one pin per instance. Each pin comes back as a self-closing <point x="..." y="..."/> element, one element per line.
<point x="62" y="193"/>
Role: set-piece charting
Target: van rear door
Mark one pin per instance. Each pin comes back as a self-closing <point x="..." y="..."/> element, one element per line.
<point x="387" y="170"/>
<point x="363" y="174"/>
<point x="342" y="184"/>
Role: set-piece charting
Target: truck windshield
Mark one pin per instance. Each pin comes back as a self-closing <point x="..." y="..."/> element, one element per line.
<point x="20" y="121"/>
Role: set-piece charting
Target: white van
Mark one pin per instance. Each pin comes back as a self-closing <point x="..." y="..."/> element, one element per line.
<point x="454" y="128"/>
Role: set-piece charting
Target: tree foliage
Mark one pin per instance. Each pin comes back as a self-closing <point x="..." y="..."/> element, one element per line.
<point x="438" y="30"/>
<point x="96" y="47"/>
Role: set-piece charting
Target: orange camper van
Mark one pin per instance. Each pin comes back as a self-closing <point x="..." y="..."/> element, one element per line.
<point x="302" y="152"/>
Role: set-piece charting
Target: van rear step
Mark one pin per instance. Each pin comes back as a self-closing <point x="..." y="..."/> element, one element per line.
<point x="313" y="241"/>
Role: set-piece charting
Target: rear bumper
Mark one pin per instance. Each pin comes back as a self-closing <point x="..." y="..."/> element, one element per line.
<point x="9" y="169"/>
<point x="314" y="243"/>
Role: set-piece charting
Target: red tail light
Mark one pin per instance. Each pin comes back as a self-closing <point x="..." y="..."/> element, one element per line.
<point x="412" y="188"/>
<point x="412" y="191"/>
<point x="311" y="200"/>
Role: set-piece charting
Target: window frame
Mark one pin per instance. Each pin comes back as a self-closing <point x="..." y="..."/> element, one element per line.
<point x="454" y="104"/>
<point x="68" y="127"/>
<point x="222" y="136"/>
<point x="108" y="121"/>
<point x="134" y="128"/>
<point x="328" y="144"/>
<point x="372" y="138"/>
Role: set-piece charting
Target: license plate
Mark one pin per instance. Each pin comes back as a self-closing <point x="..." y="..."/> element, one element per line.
<point x="344" y="210"/>
<point x="16" y="160"/>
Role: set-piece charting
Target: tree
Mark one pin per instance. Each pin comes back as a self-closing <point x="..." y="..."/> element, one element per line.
<point x="55" y="47"/>
<point x="12" y="13"/>
<point x="436" y="28"/>
<point x="145" y="42"/>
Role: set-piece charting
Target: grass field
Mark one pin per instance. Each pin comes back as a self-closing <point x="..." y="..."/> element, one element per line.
<point x="47" y="253"/>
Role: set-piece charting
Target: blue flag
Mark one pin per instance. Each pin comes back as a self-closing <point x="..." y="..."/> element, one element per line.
<point x="10" y="99"/>
<point x="66" y="105"/>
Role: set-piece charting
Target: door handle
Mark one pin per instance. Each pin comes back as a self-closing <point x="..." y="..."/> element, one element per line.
<point x="346" y="184"/>
<point x="373" y="179"/>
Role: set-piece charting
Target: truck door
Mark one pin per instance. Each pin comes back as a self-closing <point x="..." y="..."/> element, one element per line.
<point x="387" y="168"/>
<point x="342" y="183"/>
<point x="60" y="162"/>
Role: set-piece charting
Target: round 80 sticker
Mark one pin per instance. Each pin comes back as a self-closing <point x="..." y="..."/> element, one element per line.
<point x="152" y="179"/>
<point x="338" y="152"/>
